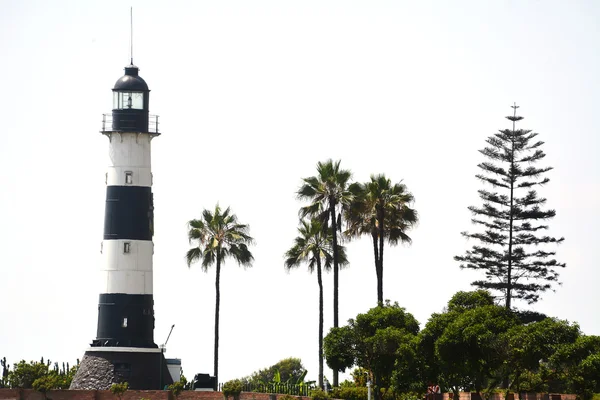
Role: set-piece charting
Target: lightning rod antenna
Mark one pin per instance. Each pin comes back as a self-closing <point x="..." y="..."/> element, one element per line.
<point x="131" y="35"/>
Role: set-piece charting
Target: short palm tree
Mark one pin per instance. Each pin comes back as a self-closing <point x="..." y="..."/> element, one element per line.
<point x="328" y="191"/>
<point x="380" y="209"/>
<point x="218" y="235"/>
<point x="314" y="246"/>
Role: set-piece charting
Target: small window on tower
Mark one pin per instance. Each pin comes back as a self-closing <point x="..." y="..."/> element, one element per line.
<point x="126" y="247"/>
<point x="128" y="177"/>
<point x="124" y="325"/>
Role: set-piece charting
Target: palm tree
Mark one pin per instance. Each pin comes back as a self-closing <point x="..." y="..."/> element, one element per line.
<point x="380" y="209"/>
<point x="314" y="246"/>
<point x="218" y="235"/>
<point x="326" y="191"/>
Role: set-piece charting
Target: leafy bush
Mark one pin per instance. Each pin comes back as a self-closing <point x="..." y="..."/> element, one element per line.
<point x="24" y="374"/>
<point x="347" y="392"/>
<point x="176" y="388"/>
<point x="232" y="388"/>
<point x="46" y="383"/>
<point x="119" y="388"/>
<point x="319" y="394"/>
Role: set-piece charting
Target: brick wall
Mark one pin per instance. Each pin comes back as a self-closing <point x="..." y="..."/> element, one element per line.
<point x="30" y="394"/>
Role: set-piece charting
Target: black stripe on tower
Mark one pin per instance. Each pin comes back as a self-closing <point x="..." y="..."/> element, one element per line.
<point x="129" y="213"/>
<point x="125" y="320"/>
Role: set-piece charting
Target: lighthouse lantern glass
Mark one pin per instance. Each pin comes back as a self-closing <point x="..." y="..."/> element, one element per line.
<point x="128" y="100"/>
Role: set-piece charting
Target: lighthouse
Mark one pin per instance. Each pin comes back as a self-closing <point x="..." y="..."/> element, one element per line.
<point x="124" y="348"/>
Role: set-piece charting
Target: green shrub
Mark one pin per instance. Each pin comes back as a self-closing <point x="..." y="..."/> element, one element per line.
<point x="287" y="397"/>
<point x="319" y="394"/>
<point x="347" y="392"/>
<point x="232" y="388"/>
<point x="46" y="383"/>
<point x="176" y="388"/>
<point x="119" y="388"/>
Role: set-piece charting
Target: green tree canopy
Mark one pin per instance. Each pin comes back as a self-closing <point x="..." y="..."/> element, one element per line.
<point x="376" y="341"/>
<point x="530" y="346"/>
<point x="470" y="349"/>
<point x="290" y="370"/>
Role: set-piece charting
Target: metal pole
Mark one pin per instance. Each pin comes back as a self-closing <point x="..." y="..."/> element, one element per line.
<point x="160" y="357"/>
<point x="368" y="390"/>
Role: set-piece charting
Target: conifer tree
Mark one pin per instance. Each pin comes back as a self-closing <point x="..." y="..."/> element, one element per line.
<point x="512" y="251"/>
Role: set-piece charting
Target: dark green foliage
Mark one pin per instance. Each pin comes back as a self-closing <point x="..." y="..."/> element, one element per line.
<point x="464" y="301"/>
<point x="290" y="370"/>
<point x="24" y="374"/>
<point x="349" y="392"/>
<point x="531" y="346"/>
<point x="319" y="394"/>
<point x="478" y="346"/>
<point x="5" y="370"/>
<point x="575" y="367"/>
<point x="218" y="236"/>
<point x="46" y="383"/>
<point x="233" y="389"/>
<point x="470" y="350"/>
<point x="380" y="210"/>
<point x="458" y="347"/>
<point x="513" y="252"/>
<point x="37" y="375"/>
<point x="177" y="387"/>
<point x="119" y="388"/>
<point x="383" y="341"/>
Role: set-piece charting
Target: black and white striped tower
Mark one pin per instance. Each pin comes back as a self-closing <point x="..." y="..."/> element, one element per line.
<point x="124" y="348"/>
<point x="126" y="309"/>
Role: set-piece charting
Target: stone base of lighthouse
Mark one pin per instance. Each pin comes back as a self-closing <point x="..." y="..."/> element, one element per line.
<point x="141" y="368"/>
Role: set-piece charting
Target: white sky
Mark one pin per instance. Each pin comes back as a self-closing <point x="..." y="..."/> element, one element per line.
<point x="250" y="96"/>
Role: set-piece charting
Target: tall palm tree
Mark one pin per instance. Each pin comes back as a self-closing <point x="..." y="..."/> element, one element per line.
<point x="314" y="246"/>
<point x="381" y="209"/>
<point x="218" y="235"/>
<point x="327" y="191"/>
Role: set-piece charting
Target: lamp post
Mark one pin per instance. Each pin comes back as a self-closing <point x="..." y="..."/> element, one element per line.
<point x="160" y="361"/>
<point x="368" y="389"/>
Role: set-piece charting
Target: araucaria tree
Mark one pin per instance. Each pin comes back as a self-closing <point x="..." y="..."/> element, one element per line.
<point x="328" y="193"/>
<point x="314" y="246"/>
<point x="381" y="210"/>
<point x="512" y="252"/>
<point x="217" y="236"/>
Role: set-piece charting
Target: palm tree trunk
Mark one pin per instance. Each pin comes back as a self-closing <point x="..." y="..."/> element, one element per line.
<point x="217" y="306"/>
<point x="381" y="217"/>
<point x="320" y="280"/>
<point x="335" y="275"/>
<point x="376" y="253"/>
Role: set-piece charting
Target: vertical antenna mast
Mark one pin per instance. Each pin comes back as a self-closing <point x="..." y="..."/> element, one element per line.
<point x="131" y="35"/>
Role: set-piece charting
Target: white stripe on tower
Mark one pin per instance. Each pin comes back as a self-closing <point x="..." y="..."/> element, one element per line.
<point x="127" y="264"/>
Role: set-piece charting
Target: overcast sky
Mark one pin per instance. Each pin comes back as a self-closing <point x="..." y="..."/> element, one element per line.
<point x="251" y="95"/>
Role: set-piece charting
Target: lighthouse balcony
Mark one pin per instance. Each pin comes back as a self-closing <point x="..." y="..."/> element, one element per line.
<point x="124" y="121"/>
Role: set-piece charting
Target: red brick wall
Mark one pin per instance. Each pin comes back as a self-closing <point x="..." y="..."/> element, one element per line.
<point x="30" y="394"/>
